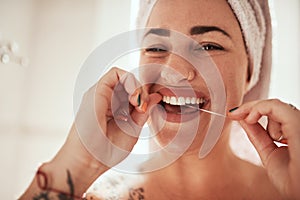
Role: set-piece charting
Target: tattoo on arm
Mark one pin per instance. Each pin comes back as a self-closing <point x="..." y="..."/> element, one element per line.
<point x="45" y="195"/>
<point x="136" y="194"/>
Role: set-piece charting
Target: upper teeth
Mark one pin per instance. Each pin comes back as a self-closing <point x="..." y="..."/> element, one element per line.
<point x="182" y="100"/>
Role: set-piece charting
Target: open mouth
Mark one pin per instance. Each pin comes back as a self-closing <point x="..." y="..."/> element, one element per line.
<point x="182" y="105"/>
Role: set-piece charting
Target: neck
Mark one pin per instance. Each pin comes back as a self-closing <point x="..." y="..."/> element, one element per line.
<point x="191" y="175"/>
<point x="220" y="159"/>
<point x="220" y="154"/>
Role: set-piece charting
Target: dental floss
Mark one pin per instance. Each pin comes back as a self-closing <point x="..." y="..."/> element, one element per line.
<point x="207" y="111"/>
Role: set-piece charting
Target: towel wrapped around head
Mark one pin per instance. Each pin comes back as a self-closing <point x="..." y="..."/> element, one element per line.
<point x="255" y="23"/>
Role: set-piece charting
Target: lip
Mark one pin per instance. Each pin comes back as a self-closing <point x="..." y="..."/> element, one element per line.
<point x="181" y="92"/>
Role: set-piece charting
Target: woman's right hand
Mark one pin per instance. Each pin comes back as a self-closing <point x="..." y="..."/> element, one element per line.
<point x="100" y="122"/>
<point x="120" y="105"/>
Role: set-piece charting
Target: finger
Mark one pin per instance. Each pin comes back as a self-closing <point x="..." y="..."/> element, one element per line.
<point x="130" y="83"/>
<point x="140" y="100"/>
<point x="141" y="118"/>
<point x="125" y="89"/>
<point x="275" y="159"/>
<point x="260" y="139"/>
<point x="274" y="130"/>
<point x="133" y="88"/>
<point x="138" y="96"/>
<point x="112" y="77"/>
<point x="242" y="111"/>
<point x="120" y="81"/>
<point x="132" y="123"/>
<point x="275" y="110"/>
<point x="104" y="89"/>
<point x="122" y="100"/>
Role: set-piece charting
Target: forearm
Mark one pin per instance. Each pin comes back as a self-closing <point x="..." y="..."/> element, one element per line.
<point x="68" y="175"/>
<point x="55" y="183"/>
<point x="50" y="184"/>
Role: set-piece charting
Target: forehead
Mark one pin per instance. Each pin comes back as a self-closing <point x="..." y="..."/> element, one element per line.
<point x="182" y="15"/>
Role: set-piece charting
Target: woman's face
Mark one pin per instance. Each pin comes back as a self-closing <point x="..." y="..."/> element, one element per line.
<point x="214" y="27"/>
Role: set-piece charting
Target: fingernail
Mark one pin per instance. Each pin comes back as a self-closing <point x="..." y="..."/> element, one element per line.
<point x="277" y="135"/>
<point x="139" y="100"/>
<point x="233" y="109"/>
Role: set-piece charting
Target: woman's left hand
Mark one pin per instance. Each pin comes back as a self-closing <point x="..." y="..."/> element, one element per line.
<point x="282" y="163"/>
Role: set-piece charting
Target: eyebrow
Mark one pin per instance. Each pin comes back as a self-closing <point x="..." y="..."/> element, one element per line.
<point x="198" y="30"/>
<point x="158" y="31"/>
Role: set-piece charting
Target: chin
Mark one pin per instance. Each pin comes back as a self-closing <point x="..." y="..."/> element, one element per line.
<point x="178" y="136"/>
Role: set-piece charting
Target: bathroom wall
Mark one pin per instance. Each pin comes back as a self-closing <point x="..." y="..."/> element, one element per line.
<point x="285" y="82"/>
<point x="57" y="36"/>
<point x="36" y="101"/>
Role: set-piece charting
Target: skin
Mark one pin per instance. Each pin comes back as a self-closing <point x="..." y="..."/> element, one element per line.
<point x="220" y="175"/>
<point x="189" y="177"/>
<point x="194" y="14"/>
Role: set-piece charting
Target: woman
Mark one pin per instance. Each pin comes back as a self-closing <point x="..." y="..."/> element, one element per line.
<point x="240" y="57"/>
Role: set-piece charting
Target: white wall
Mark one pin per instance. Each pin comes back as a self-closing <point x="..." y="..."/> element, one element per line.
<point x="285" y="83"/>
<point x="57" y="35"/>
<point x="36" y="102"/>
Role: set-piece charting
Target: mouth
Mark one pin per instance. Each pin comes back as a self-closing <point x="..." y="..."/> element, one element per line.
<point x="183" y="105"/>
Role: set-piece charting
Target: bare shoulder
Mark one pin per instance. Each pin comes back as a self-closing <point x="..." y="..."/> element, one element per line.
<point x="115" y="185"/>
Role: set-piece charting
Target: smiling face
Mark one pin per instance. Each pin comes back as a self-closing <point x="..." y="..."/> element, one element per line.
<point x="216" y="31"/>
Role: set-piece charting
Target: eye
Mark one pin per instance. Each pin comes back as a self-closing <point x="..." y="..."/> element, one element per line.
<point x="155" y="50"/>
<point x="209" y="47"/>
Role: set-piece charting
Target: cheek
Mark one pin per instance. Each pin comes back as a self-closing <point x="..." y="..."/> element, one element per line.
<point x="235" y="75"/>
<point x="148" y="70"/>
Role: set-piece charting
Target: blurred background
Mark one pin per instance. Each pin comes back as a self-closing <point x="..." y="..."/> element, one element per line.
<point x="43" y="44"/>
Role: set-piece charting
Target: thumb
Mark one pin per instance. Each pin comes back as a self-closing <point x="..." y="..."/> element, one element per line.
<point x="141" y="118"/>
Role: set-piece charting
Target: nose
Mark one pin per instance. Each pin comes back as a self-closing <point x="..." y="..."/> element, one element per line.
<point x="177" y="70"/>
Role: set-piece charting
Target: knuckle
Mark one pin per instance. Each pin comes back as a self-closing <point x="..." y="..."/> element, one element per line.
<point x="114" y="68"/>
<point x="274" y="101"/>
